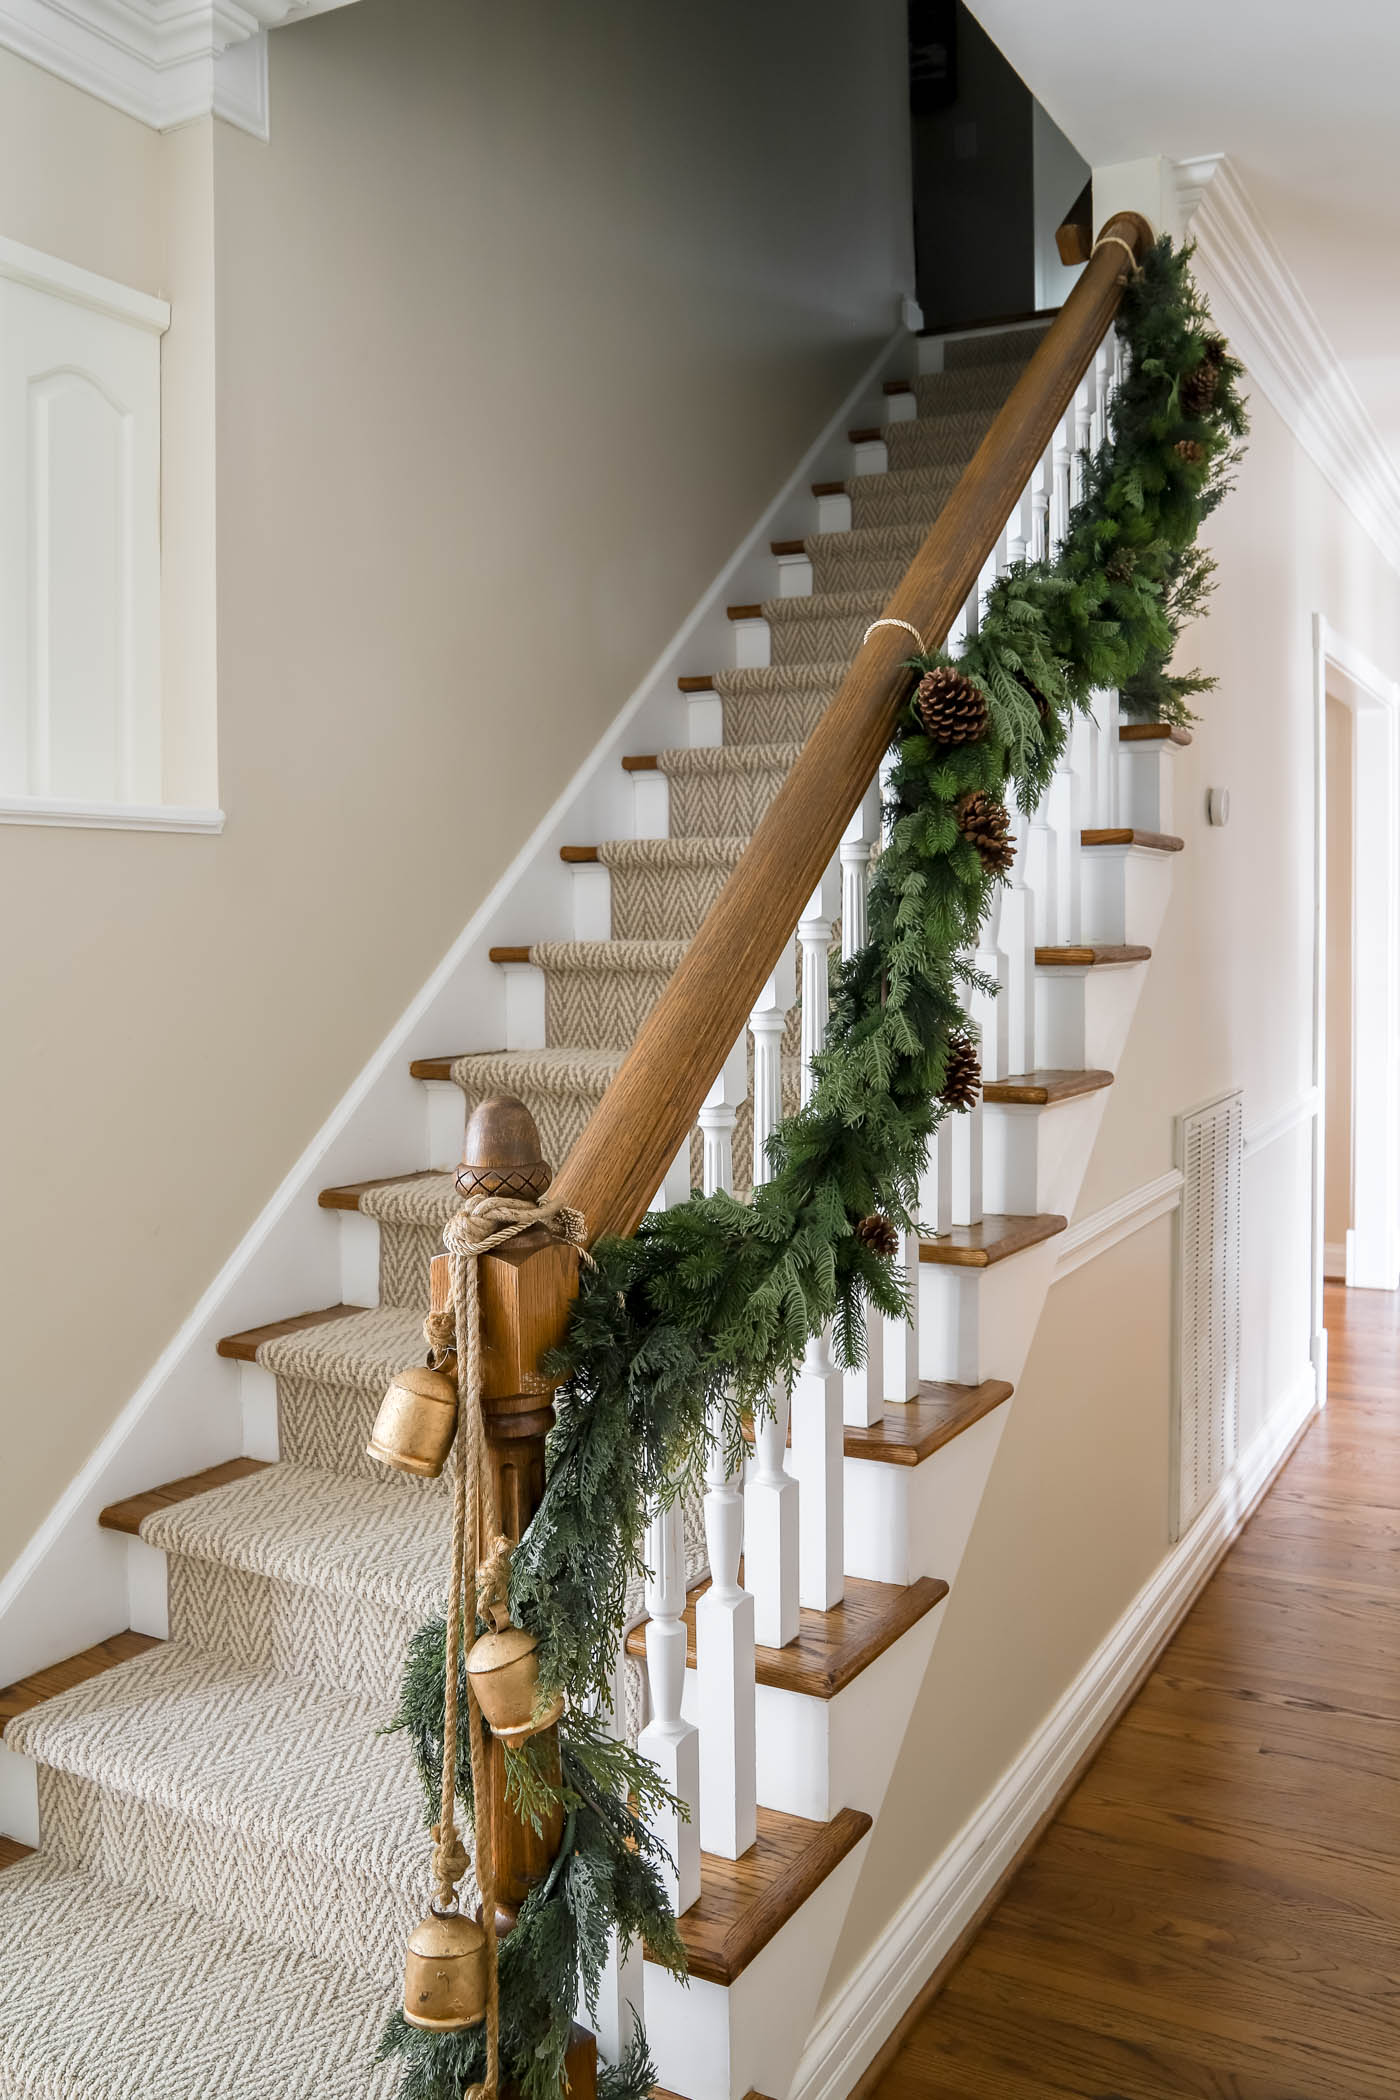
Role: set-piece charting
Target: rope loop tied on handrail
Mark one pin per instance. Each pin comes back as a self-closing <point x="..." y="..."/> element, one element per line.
<point x="1116" y="240"/>
<point x="908" y="627"/>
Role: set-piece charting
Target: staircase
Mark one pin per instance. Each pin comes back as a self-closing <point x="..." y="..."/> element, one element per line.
<point x="231" y="1857"/>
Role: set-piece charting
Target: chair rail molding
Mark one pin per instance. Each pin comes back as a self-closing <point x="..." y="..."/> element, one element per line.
<point x="1091" y="1236"/>
<point x="1286" y="351"/>
<point x="162" y="61"/>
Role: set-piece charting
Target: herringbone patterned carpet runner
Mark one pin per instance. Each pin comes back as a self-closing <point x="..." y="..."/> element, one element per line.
<point x="232" y="1855"/>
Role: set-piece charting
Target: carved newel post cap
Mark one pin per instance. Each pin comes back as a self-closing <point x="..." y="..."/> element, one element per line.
<point x="501" y="1154"/>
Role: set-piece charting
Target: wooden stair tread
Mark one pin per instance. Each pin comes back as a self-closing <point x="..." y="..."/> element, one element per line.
<point x="17" y="1699"/>
<point x="1126" y="835"/>
<point x="697" y="685"/>
<point x="431" y="1067"/>
<point x="832" y="1647"/>
<point x="648" y="762"/>
<point x="1042" y="1089"/>
<point x="1090" y="957"/>
<point x="828" y="488"/>
<point x="1152" y="733"/>
<point x="12" y="1852"/>
<point x="508" y="955"/>
<point x="578" y="856"/>
<point x="243" y="1348"/>
<point x="740" y="612"/>
<point x="347" y="1196"/>
<point x="912" y="1430"/>
<point x="130" y="1514"/>
<point x="787" y="546"/>
<point x="869" y="434"/>
<point x="744" y="1903"/>
<point x="996" y="1237"/>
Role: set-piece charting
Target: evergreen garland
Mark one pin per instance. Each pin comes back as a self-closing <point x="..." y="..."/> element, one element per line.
<point x="713" y="1302"/>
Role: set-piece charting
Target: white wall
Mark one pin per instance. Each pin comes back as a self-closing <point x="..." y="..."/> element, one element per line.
<point x="520" y="320"/>
<point x="1337" y="1205"/>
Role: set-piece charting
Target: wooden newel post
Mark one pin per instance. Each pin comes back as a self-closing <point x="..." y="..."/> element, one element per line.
<point x="525" y="1290"/>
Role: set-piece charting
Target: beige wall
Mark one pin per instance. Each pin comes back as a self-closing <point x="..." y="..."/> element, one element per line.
<point x="1337" y="1199"/>
<point x="523" y="316"/>
<point x="1075" y="1516"/>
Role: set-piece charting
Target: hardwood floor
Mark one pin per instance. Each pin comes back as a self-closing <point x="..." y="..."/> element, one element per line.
<point x="1215" y="1912"/>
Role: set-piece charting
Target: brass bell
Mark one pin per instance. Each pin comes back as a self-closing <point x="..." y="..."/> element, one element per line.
<point x="504" y="1668"/>
<point x="444" y="1981"/>
<point x="416" y="1423"/>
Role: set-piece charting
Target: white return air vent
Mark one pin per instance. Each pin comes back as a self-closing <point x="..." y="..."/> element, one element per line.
<point x="1205" y="1415"/>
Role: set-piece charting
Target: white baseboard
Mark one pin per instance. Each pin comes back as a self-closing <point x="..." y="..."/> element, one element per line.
<point x="871" y="2003"/>
<point x="1334" y="1261"/>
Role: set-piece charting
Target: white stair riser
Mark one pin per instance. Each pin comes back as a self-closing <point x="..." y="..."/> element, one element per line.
<point x="651" y="795"/>
<point x="977" y="1323"/>
<point x="1146" y="781"/>
<point x="872" y="456"/>
<point x="19" y="1797"/>
<point x="902" y="408"/>
<point x="447" y="1123"/>
<point x="713" y="2043"/>
<point x="1035" y="1157"/>
<point x="1124" y="894"/>
<point x="794" y="575"/>
<point x="359" y="1258"/>
<point x="704" y="714"/>
<point x="834" y="513"/>
<point x="257" y="1393"/>
<point x="1082" y="1015"/>
<point x="906" y="1521"/>
<point x="147" y="1589"/>
<point x="818" y="1756"/>
<point x="752" y="650"/>
<point x="590" y="885"/>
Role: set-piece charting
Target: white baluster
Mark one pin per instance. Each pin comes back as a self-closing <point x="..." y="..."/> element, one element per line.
<point x="819" y="1391"/>
<point x="724" y="1613"/>
<point x="770" y="1497"/>
<point x="621" y="1987"/>
<point x="668" y="1739"/>
<point x="1106" y="711"/>
<point x="863" y="1390"/>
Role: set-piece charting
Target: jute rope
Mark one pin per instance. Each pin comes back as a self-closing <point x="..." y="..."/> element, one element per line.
<point x="908" y="629"/>
<point x="482" y="1223"/>
<point x="1116" y="240"/>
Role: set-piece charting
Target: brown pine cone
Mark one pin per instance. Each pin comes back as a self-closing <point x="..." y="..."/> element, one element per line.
<point x="878" y="1234"/>
<point x="1120" y="566"/>
<point x="983" y="821"/>
<point x="1215" y="350"/>
<point x="1190" y="451"/>
<point x="962" y="1076"/>
<point x="1198" y="389"/>
<point x="950" y="706"/>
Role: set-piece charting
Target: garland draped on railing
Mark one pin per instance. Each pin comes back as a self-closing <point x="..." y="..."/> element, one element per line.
<point x="713" y="1301"/>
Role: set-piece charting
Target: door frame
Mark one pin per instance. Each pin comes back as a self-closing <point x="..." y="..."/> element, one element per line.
<point x="1373" y="1242"/>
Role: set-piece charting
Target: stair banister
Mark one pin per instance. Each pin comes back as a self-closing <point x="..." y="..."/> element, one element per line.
<point x="647" y="1112"/>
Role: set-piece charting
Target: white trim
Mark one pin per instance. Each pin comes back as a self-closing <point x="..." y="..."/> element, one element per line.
<point x="1267" y="1132"/>
<point x="164" y="62"/>
<point x="64" y="280"/>
<point x="1256" y="299"/>
<point x="1087" y="1238"/>
<point x="108" y="816"/>
<point x="186" y="1412"/>
<point x="868" y="2007"/>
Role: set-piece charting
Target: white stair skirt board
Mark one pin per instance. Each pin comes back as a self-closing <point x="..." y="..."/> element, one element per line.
<point x="818" y="1756"/>
<point x="906" y="1521"/>
<point x="717" y="2043"/>
<point x="862" y="2015"/>
<point x="187" y="1413"/>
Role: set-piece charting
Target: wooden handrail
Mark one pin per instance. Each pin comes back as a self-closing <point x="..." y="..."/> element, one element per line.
<point x="619" y="1161"/>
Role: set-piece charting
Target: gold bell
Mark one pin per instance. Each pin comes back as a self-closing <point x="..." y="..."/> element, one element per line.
<point x="444" y="1982"/>
<point x="505" y="1672"/>
<point x="416" y="1423"/>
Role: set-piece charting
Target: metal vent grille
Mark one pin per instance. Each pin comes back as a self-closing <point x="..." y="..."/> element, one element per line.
<point x="1205" y="1429"/>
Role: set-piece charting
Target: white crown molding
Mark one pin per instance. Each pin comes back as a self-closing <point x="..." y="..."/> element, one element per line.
<point x="1088" y="1238"/>
<point x="868" y="2007"/>
<point x="1277" y="335"/>
<point x="64" y="280"/>
<point x="165" y="62"/>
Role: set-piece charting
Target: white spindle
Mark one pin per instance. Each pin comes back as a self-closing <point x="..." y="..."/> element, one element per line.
<point x="819" y="1391"/>
<point x="668" y="1739"/>
<point x="863" y="1390"/>
<point x="621" y="1987"/>
<point x="770" y="1497"/>
<point x="724" y="1613"/>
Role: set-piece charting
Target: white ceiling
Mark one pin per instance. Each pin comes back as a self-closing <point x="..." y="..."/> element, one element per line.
<point x="1303" y="98"/>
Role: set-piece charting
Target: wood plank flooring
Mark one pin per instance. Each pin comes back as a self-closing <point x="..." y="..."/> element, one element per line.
<point x="1215" y="1912"/>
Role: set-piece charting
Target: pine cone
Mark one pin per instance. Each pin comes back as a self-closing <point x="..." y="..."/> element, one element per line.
<point x="878" y="1234"/>
<point x="1119" y="567"/>
<point x="984" y="823"/>
<point x="1215" y="350"/>
<point x="1190" y="451"/>
<point x="1198" y="389"/>
<point x="950" y="706"/>
<point x="962" y="1077"/>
